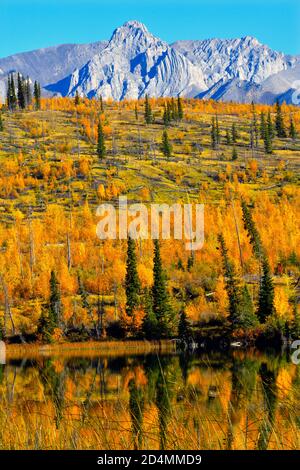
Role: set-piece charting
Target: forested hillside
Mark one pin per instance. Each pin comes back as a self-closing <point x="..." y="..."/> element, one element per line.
<point x="62" y="157"/>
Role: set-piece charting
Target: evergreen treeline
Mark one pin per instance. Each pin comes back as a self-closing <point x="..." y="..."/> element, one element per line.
<point x="173" y="111"/>
<point x="241" y="311"/>
<point x="266" y="290"/>
<point x="19" y="94"/>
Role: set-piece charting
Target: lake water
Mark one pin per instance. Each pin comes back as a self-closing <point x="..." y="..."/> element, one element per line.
<point x="214" y="401"/>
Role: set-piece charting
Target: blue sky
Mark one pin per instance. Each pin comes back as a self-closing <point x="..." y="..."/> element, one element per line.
<point x="31" y="24"/>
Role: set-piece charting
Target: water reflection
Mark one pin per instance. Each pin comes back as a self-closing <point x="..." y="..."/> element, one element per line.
<point x="242" y="401"/>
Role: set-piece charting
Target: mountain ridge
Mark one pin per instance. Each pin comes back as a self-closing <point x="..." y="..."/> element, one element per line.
<point x="134" y="63"/>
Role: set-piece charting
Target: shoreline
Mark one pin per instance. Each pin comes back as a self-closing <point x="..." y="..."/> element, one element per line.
<point x="93" y="348"/>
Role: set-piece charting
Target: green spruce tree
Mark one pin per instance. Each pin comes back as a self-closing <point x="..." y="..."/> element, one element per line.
<point x="241" y="312"/>
<point x="150" y="324"/>
<point x="253" y="233"/>
<point x="166" y="147"/>
<point x="174" y="115"/>
<point x="148" y="111"/>
<point x="270" y="127"/>
<point x="101" y="148"/>
<point x="11" y="94"/>
<point x="251" y="137"/>
<point x="279" y="123"/>
<point x="55" y="305"/>
<point x="218" y="134"/>
<point x="234" y="133"/>
<point x="179" y="108"/>
<point x="232" y="285"/>
<point x="234" y="155"/>
<point x="255" y="125"/>
<point x="169" y="112"/>
<point x="213" y="134"/>
<point x="37" y="95"/>
<point x="184" y="327"/>
<point x="247" y="318"/>
<point x="27" y="90"/>
<point x="132" y="282"/>
<point x="228" y="137"/>
<point x="101" y="104"/>
<point x="268" y="142"/>
<point x="266" y="293"/>
<point x="161" y="302"/>
<point x="262" y="126"/>
<point x="292" y="129"/>
<point x="21" y="92"/>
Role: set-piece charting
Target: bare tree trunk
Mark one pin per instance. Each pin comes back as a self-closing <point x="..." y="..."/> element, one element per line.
<point x="20" y="254"/>
<point x="7" y="309"/>
<point x="237" y="233"/>
<point x="69" y="250"/>
<point x="31" y="246"/>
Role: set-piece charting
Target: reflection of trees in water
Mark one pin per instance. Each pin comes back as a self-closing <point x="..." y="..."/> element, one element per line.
<point x="185" y="361"/>
<point x="136" y="408"/>
<point x="54" y="385"/>
<point x="244" y="374"/>
<point x="161" y="373"/>
<point x="102" y="381"/>
<point x="192" y="390"/>
<point x="269" y="387"/>
<point x="98" y="369"/>
<point x="162" y="401"/>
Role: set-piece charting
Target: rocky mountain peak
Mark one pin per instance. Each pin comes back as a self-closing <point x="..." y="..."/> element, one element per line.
<point x="133" y="35"/>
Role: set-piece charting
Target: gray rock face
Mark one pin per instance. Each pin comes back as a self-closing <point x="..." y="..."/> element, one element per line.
<point x="51" y="63"/>
<point x="245" y="59"/>
<point x="133" y="64"/>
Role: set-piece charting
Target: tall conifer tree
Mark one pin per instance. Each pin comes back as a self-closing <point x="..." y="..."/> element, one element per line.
<point x="132" y="282"/>
<point x="55" y="305"/>
<point x="179" y="108"/>
<point x="279" y="123"/>
<point x="37" y="95"/>
<point x="148" y="111"/>
<point x="21" y="93"/>
<point x="101" y="149"/>
<point x="234" y="133"/>
<point x="166" y="147"/>
<point x="161" y="303"/>
<point x="292" y="129"/>
<point x="266" y="293"/>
